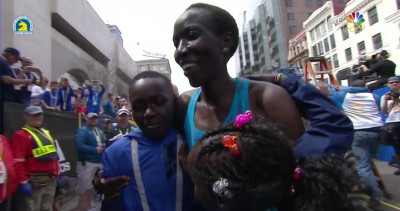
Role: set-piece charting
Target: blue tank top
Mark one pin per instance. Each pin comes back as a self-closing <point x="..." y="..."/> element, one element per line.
<point x="239" y="105"/>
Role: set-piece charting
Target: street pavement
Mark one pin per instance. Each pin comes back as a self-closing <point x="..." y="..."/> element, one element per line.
<point x="392" y="183"/>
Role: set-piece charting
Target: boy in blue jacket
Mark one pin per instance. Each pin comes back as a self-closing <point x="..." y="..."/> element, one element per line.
<point x="150" y="156"/>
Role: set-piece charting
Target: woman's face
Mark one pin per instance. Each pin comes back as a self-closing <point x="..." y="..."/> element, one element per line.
<point x="198" y="50"/>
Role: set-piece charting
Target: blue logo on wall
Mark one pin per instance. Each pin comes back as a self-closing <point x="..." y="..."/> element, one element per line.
<point x="23" y="25"/>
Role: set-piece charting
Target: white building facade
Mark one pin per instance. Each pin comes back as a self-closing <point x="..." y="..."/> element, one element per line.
<point x="320" y="32"/>
<point x="342" y="47"/>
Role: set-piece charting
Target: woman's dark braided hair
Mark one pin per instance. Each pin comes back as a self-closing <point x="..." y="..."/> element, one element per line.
<point x="261" y="176"/>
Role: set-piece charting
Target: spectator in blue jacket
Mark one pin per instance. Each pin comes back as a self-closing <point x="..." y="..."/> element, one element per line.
<point x="64" y="95"/>
<point x="90" y="144"/>
<point x="108" y="106"/>
<point x="150" y="156"/>
<point x="96" y="92"/>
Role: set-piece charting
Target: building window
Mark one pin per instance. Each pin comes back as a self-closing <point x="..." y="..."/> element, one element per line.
<point x="290" y="16"/>
<point x="293" y="30"/>
<point x="333" y="43"/>
<point x="377" y="41"/>
<point x="373" y="16"/>
<point x="361" y="48"/>
<point x="345" y="32"/>
<point x="289" y="3"/>
<point x="320" y="48"/>
<point x="323" y="29"/>
<point x="312" y="35"/>
<point x="309" y="3"/>
<point x="326" y="44"/>
<point x="347" y="52"/>
<point x="329" y="22"/>
<point x="315" y="52"/>
<point x="318" y="31"/>
<point x="320" y="3"/>
<point x="335" y="61"/>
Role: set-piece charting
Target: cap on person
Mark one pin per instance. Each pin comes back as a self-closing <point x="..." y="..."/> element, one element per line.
<point x="13" y="52"/>
<point x="107" y="120"/>
<point x="393" y="78"/>
<point x="92" y="115"/>
<point x="32" y="110"/>
<point x="123" y="111"/>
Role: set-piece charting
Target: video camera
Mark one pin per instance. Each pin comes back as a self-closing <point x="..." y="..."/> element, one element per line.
<point x="394" y="94"/>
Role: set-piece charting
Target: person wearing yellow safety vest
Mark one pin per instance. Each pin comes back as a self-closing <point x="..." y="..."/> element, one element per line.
<point x="36" y="163"/>
<point x="123" y="127"/>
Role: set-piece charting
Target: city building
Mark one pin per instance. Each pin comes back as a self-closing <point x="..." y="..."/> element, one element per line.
<point x="328" y="33"/>
<point x="69" y="38"/>
<point x="298" y="50"/>
<point x="265" y="38"/>
<point x="381" y="32"/>
<point x="160" y="65"/>
<point x="320" y="33"/>
<point x="116" y="33"/>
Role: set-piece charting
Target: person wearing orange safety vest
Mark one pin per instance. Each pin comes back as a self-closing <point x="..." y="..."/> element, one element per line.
<point x="36" y="163"/>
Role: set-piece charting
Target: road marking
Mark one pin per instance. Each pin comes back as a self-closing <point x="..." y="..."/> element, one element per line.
<point x="390" y="205"/>
<point x="385" y="203"/>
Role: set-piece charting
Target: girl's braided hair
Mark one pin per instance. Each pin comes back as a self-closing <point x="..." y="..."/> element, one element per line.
<point x="263" y="174"/>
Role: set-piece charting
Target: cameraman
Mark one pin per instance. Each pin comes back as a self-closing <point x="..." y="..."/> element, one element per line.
<point x="383" y="68"/>
<point x="390" y="105"/>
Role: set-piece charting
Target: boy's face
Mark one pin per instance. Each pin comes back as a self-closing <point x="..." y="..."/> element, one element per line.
<point x="152" y="106"/>
<point x="54" y="87"/>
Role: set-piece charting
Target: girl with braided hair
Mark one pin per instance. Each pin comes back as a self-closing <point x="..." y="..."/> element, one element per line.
<point x="251" y="166"/>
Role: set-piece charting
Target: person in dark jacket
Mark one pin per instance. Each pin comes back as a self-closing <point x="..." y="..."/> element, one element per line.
<point x="383" y="68"/>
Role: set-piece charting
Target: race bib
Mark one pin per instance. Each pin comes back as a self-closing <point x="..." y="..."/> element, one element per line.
<point x="3" y="173"/>
<point x="17" y="87"/>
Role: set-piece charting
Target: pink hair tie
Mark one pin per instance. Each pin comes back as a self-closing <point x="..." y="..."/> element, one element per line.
<point x="243" y="119"/>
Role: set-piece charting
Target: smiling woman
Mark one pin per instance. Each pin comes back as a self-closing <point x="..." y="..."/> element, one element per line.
<point x="205" y="38"/>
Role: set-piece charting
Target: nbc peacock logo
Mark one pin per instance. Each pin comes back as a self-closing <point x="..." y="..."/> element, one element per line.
<point x="23" y="25"/>
<point x="355" y="22"/>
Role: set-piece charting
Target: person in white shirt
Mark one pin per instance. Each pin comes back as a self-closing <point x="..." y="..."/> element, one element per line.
<point x="37" y="91"/>
<point x="390" y="105"/>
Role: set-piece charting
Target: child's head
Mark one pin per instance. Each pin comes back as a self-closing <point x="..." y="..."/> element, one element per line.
<point x="153" y="101"/>
<point x="260" y="176"/>
<point x="257" y="179"/>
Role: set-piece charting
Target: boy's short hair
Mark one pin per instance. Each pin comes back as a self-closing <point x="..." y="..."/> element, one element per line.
<point x="151" y="74"/>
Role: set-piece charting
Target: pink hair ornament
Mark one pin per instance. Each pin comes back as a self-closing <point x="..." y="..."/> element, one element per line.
<point x="243" y="119"/>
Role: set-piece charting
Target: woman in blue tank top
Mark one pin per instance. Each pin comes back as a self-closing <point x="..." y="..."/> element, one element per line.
<point x="205" y="38"/>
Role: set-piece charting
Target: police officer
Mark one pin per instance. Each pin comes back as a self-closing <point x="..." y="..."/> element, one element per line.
<point x="36" y="163"/>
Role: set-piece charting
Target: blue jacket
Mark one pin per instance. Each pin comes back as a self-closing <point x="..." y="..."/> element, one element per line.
<point x="331" y="131"/>
<point x="86" y="144"/>
<point x="95" y="98"/>
<point x="157" y="161"/>
<point x="62" y="94"/>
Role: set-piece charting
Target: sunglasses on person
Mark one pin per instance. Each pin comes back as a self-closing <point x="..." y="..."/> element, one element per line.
<point x="393" y="82"/>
